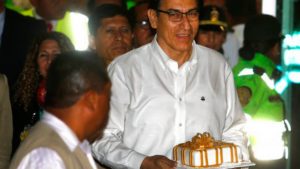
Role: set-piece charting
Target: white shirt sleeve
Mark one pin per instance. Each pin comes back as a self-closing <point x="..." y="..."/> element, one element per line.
<point x="45" y="158"/>
<point x="234" y="130"/>
<point x="109" y="149"/>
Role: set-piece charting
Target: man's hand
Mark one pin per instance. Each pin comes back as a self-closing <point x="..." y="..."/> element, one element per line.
<point x="158" y="162"/>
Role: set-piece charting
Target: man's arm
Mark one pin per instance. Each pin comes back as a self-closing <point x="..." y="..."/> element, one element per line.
<point x="110" y="149"/>
<point x="234" y="129"/>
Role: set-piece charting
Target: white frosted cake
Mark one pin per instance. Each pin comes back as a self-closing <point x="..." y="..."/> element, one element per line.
<point x="204" y="152"/>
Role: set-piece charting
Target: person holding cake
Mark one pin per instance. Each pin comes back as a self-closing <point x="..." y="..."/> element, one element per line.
<point x="166" y="92"/>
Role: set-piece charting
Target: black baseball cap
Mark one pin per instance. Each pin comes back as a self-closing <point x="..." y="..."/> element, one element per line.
<point x="262" y="28"/>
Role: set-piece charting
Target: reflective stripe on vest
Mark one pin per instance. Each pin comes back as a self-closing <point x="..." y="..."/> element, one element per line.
<point x="269" y="82"/>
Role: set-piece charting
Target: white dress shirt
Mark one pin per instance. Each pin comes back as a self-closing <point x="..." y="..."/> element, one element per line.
<point x="47" y="158"/>
<point x="155" y="105"/>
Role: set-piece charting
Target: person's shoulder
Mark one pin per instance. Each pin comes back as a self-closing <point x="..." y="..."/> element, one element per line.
<point x="36" y="23"/>
<point x="24" y="21"/>
<point x="209" y="54"/>
<point x="38" y="158"/>
<point x="2" y="77"/>
<point x="242" y="64"/>
<point x="16" y="15"/>
<point x="3" y="80"/>
<point x="132" y="58"/>
<point x="51" y="139"/>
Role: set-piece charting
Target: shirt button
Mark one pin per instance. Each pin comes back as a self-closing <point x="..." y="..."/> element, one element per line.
<point x="180" y="124"/>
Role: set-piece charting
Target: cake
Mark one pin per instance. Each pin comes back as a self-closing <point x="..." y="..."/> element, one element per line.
<point x="205" y="152"/>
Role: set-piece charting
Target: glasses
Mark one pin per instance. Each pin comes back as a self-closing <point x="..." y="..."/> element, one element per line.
<point x="143" y="24"/>
<point x="176" y="16"/>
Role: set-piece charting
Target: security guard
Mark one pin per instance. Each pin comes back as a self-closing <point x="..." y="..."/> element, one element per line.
<point x="255" y="76"/>
<point x="215" y="33"/>
<point x="256" y="73"/>
<point x="212" y="28"/>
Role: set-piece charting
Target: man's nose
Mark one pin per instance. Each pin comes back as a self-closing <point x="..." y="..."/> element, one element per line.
<point x="118" y="35"/>
<point x="185" y="21"/>
<point x="212" y="37"/>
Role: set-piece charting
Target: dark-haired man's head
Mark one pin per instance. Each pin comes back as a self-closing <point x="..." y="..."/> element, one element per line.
<point x="176" y="23"/>
<point x="72" y="75"/>
<point x="263" y="34"/>
<point x="110" y="31"/>
<point x="78" y="90"/>
<point x="155" y="4"/>
<point x="143" y="33"/>
<point x="92" y="4"/>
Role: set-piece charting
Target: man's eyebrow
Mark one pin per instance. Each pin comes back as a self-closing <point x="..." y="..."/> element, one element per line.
<point x="177" y="10"/>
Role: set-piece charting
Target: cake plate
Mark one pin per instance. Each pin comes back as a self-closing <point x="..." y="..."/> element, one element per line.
<point x="223" y="166"/>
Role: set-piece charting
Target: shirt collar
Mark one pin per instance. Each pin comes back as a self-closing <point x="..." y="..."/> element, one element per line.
<point x="167" y="62"/>
<point x="67" y="135"/>
<point x="85" y="147"/>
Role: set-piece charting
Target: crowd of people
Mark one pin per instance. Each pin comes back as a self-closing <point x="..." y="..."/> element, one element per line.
<point x="152" y="77"/>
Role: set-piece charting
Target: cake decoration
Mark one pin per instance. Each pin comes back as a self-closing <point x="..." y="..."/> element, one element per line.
<point x="204" y="151"/>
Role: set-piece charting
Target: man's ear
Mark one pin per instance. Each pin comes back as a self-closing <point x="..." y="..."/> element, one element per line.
<point x="90" y="99"/>
<point x="152" y="15"/>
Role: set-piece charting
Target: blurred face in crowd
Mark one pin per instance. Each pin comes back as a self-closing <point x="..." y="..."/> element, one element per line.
<point x="175" y="34"/>
<point x="143" y="32"/>
<point x="113" y="38"/>
<point x="51" y="9"/>
<point x="47" y="52"/>
<point x="211" y="39"/>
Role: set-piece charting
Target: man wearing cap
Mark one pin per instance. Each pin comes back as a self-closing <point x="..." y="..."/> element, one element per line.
<point x="213" y="29"/>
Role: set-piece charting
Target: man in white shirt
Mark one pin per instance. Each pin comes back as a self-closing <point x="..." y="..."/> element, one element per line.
<point x="76" y="104"/>
<point x="167" y="91"/>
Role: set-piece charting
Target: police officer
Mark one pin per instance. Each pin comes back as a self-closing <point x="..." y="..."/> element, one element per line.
<point x="214" y="33"/>
<point x="256" y="71"/>
<point x="212" y="28"/>
<point x="255" y="76"/>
